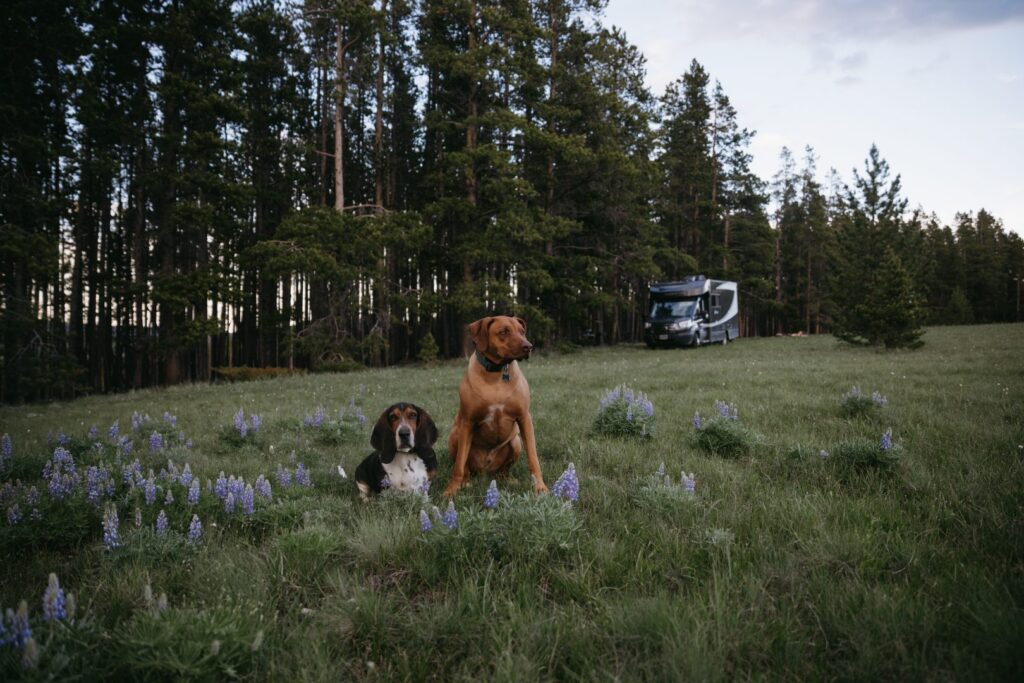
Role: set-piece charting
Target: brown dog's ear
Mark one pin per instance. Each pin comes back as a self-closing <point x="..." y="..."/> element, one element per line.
<point x="479" y="332"/>
<point x="383" y="439"/>
<point x="426" y="432"/>
<point x="521" y="322"/>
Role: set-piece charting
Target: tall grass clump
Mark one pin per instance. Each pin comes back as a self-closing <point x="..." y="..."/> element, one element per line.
<point x="860" y="456"/>
<point x="723" y="434"/>
<point x="624" y="412"/>
<point x="856" y="403"/>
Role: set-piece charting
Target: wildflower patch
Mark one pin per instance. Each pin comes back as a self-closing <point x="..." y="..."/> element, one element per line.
<point x="855" y="403"/>
<point x="625" y="412"/>
<point x="723" y="434"/>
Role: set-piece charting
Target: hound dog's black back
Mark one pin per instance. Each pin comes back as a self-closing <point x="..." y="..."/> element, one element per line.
<point x="403" y="442"/>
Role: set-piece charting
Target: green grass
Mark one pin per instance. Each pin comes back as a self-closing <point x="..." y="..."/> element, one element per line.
<point x="782" y="565"/>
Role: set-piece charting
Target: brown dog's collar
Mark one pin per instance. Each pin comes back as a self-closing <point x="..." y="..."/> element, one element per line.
<point x="493" y="367"/>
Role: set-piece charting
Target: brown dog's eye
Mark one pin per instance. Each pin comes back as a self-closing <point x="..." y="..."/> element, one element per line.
<point x="503" y="333"/>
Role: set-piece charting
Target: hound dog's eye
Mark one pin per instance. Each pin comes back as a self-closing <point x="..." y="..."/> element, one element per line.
<point x="392" y="417"/>
<point x="413" y="415"/>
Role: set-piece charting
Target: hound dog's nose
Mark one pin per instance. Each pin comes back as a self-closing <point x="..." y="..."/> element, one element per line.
<point x="404" y="435"/>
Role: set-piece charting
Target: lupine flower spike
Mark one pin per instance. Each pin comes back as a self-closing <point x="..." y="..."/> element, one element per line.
<point x="492" y="496"/>
<point x="54" y="602"/>
<point x="451" y="517"/>
<point x="425" y="523"/>
<point x="111" y="536"/>
<point x="195" y="529"/>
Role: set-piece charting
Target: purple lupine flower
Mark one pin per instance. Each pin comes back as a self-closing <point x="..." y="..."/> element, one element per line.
<point x="93" y="431"/>
<point x="648" y="407"/>
<point x="54" y="602"/>
<point x="170" y="419"/>
<point x="284" y="477"/>
<point x="248" y="499"/>
<point x="138" y="517"/>
<point x="318" y="416"/>
<point x="96" y="480"/>
<point x="255" y="421"/>
<point x="360" y="417"/>
<point x="186" y="476"/>
<point x="385" y="483"/>
<point x="878" y="399"/>
<point x="6" y="447"/>
<point x="451" y="517"/>
<point x="660" y="471"/>
<point x="126" y="446"/>
<point x="688" y="482"/>
<point x="629" y="412"/>
<point x="221" y="487"/>
<point x="114" y="431"/>
<point x="13" y="514"/>
<point x="188" y="444"/>
<point x="492" y="496"/>
<point x="229" y="503"/>
<point x="156" y="442"/>
<point x="302" y="477"/>
<point x="111" y="536"/>
<point x="307" y="421"/>
<point x="240" y="424"/>
<point x="193" y="493"/>
<point x="436" y="514"/>
<point x="20" y="632"/>
<point x="886" y="443"/>
<point x="161" y="523"/>
<point x="263" y="487"/>
<point x="823" y="454"/>
<point x="567" y="486"/>
<point x="425" y="523"/>
<point x="236" y="485"/>
<point x="195" y="529"/>
<point x="722" y="408"/>
<point x="130" y="473"/>
<point x="149" y="491"/>
<point x="169" y="498"/>
<point x="696" y="421"/>
<point x="32" y="497"/>
<point x="424" y="489"/>
<point x="61" y="474"/>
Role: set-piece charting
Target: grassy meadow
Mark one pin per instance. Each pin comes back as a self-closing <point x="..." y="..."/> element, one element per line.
<point x="782" y="564"/>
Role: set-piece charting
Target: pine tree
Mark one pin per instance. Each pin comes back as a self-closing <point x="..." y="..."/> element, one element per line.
<point x="891" y="307"/>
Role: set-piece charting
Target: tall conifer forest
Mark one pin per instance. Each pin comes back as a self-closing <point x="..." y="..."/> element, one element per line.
<point x="188" y="185"/>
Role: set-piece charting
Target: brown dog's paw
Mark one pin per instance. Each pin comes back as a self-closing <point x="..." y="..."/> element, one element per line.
<point x="452" y="489"/>
<point x="540" y="488"/>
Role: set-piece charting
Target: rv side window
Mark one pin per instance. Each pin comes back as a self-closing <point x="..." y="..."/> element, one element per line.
<point x="714" y="300"/>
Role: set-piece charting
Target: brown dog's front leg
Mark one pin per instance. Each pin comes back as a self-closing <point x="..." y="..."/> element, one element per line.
<point x="533" y="461"/>
<point x="459" y="468"/>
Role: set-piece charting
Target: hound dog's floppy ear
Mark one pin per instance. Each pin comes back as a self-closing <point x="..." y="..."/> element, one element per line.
<point x="480" y="331"/>
<point x="383" y="438"/>
<point x="521" y="322"/>
<point x="426" y="435"/>
<point x="426" y="432"/>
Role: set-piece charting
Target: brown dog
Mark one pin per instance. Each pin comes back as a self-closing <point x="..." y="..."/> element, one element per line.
<point x="494" y="419"/>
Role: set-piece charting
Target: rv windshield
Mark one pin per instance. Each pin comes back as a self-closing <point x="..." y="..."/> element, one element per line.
<point x="673" y="309"/>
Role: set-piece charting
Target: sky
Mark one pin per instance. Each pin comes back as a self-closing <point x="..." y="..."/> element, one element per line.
<point x="937" y="85"/>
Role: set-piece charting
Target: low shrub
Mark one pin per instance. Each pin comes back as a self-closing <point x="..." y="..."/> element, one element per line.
<point x="856" y="403"/>
<point x="624" y="412"/>
<point x="246" y="374"/>
<point x="723" y="434"/>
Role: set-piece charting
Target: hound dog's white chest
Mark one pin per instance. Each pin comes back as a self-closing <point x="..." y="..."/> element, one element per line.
<point x="406" y="472"/>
